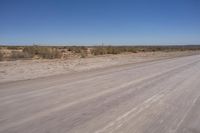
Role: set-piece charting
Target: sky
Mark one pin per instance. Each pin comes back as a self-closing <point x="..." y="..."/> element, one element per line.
<point x="94" y="22"/>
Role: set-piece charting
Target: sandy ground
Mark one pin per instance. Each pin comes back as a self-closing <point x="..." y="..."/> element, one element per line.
<point x="160" y="96"/>
<point x="30" y="69"/>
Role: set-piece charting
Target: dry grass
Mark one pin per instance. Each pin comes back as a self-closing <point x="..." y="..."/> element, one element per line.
<point x="19" y="55"/>
<point x="101" y="50"/>
<point x="42" y="52"/>
<point x="53" y="52"/>
<point x="1" y="56"/>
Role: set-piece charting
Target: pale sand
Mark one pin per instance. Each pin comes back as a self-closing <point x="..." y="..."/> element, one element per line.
<point x="30" y="69"/>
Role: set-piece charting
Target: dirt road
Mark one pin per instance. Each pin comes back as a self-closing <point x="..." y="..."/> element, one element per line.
<point x="153" y="97"/>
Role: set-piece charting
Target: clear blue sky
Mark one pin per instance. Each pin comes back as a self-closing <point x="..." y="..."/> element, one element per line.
<point x="97" y="21"/>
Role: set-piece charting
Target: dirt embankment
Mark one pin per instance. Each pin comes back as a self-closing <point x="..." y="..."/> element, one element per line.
<point x="29" y="69"/>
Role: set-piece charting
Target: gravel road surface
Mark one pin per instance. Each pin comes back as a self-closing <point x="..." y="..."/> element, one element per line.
<point x="160" y="96"/>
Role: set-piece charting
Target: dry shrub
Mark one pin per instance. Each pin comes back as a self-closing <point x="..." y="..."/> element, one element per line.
<point x="19" y="55"/>
<point x="84" y="53"/>
<point x="101" y="50"/>
<point x="14" y="47"/>
<point x="1" y="56"/>
<point x="80" y="50"/>
<point x="43" y="52"/>
<point x="98" y="50"/>
<point x="51" y="52"/>
<point x="77" y="49"/>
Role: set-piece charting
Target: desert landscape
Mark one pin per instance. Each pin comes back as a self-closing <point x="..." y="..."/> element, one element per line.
<point x="144" y="91"/>
<point x="99" y="66"/>
<point x="19" y="65"/>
